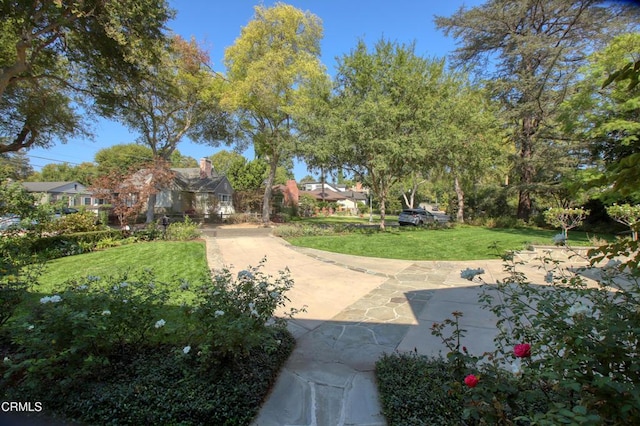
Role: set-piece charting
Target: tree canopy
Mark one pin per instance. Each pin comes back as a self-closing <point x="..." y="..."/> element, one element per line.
<point x="54" y="53"/>
<point x="378" y="123"/>
<point x="270" y="67"/>
<point x="532" y="51"/>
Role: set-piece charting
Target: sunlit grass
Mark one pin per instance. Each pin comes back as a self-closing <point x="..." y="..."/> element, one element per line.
<point x="167" y="259"/>
<point x="457" y="243"/>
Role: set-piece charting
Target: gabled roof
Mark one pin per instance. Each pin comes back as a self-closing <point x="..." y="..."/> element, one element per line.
<point x="53" y="187"/>
<point x="189" y="179"/>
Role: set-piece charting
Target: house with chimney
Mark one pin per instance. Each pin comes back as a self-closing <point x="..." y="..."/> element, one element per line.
<point x="344" y="198"/>
<point x="197" y="191"/>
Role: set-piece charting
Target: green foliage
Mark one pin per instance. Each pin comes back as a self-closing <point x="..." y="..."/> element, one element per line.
<point x="83" y="221"/>
<point x="532" y="51"/>
<point x="415" y="390"/>
<point x="565" y="218"/>
<point x="565" y="352"/>
<point x="183" y="231"/>
<point x="19" y="270"/>
<point x="271" y="69"/>
<point x="74" y="50"/>
<point x="307" y="205"/>
<point x="103" y="340"/>
<point x="69" y="333"/>
<point x="628" y="215"/>
<point x="233" y="314"/>
<point x="123" y="158"/>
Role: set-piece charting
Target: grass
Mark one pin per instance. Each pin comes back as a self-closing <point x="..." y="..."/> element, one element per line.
<point x="168" y="259"/>
<point x="152" y="383"/>
<point x="456" y="243"/>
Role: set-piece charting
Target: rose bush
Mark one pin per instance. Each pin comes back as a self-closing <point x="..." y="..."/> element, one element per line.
<point x="566" y="352"/>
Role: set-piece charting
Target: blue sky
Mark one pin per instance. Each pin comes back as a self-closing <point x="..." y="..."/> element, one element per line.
<point x="216" y="25"/>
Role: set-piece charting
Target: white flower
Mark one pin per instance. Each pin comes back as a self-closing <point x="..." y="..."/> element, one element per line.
<point x="30" y="327"/>
<point x="93" y="278"/>
<point x="255" y="313"/>
<point x="124" y="284"/>
<point x="160" y="323"/>
<point x="245" y="275"/>
<point x="106" y="312"/>
<point x="252" y="305"/>
<point x="218" y="313"/>
<point x="186" y="349"/>
<point x="549" y="277"/>
<point x="125" y="301"/>
<point x="274" y="294"/>
<point x="51" y="299"/>
<point x="578" y="309"/>
<point x="470" y="274"/>
<point x="83" y="287"/>
<point x="516" y="367"/>
<point x="6" y="360"/>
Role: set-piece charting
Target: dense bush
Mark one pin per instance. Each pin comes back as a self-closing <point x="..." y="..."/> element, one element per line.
<point x="83" y="221"/>
<point x="183" y="231"/>
<point x="566" y="352"/>
<point x="111" y="350"/>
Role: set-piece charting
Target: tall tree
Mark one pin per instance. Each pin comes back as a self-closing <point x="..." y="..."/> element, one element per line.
<point x="14" y="166"/>
<point x="52" y="51"/>
<point x="534" y="48"/>
<point x="177" y="99"/>
<point x="64" y="172"/>
<point x="378" y="123"/>
<point x="608" y="118"/>
<point x="122" y="157"/>
<point x="270" y="67"/>
<point x="469" y="141"/>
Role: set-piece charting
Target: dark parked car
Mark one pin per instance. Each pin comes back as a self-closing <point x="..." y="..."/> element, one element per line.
<point x="417" y="217"/>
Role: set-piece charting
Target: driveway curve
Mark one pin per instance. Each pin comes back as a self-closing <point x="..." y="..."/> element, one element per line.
<point x="357" y="309"/>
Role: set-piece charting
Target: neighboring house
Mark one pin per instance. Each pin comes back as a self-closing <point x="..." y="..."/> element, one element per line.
<point x="197" y="190"/>
<point x="72" y="194"/>
<point x="346" y="199"/>
<point x="315" y="186"/>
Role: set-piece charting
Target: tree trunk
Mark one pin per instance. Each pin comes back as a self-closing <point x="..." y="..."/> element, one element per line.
<point x="268" y="190"/>
<point x="382" y="211"/>
<point x="151" y="204"/>
<point x="527" y="171"/>
<point x="460" y="195"/>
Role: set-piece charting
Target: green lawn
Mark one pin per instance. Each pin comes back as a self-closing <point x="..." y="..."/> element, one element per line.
<point x="457" y="243"/>
<point x="168" y="259"/>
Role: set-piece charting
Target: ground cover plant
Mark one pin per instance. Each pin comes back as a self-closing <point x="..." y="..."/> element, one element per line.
<point x="128" y="345"/>
<point x="566" y="352"/>
<point x="434" y="243"/>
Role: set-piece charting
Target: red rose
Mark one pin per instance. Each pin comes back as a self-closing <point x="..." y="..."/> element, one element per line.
<point x="471" y="381"/>
<point x="523" y="350"/>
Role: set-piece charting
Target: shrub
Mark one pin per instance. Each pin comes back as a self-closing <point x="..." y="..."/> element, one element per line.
<point x="233" y="315"/>
<point x="243" y="218"/>
<point x="19" y="270"/>
<point x="416" y="390"/>
<point x="83" y="221"/>
<point x="68" y="334"/>
<point x="566" y="352"/>
<point x="183" y="231"/>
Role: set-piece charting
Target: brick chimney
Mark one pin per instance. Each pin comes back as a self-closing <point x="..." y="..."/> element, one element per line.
<point x="292" y="194"/>
<point x="205" y="168"/>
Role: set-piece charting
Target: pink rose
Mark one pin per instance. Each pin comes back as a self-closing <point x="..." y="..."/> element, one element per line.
<point x="471" y="381"/>
<point x="522" y="350"/>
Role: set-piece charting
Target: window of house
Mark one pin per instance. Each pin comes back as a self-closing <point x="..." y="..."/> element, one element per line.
<point x="86" y="201"/>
